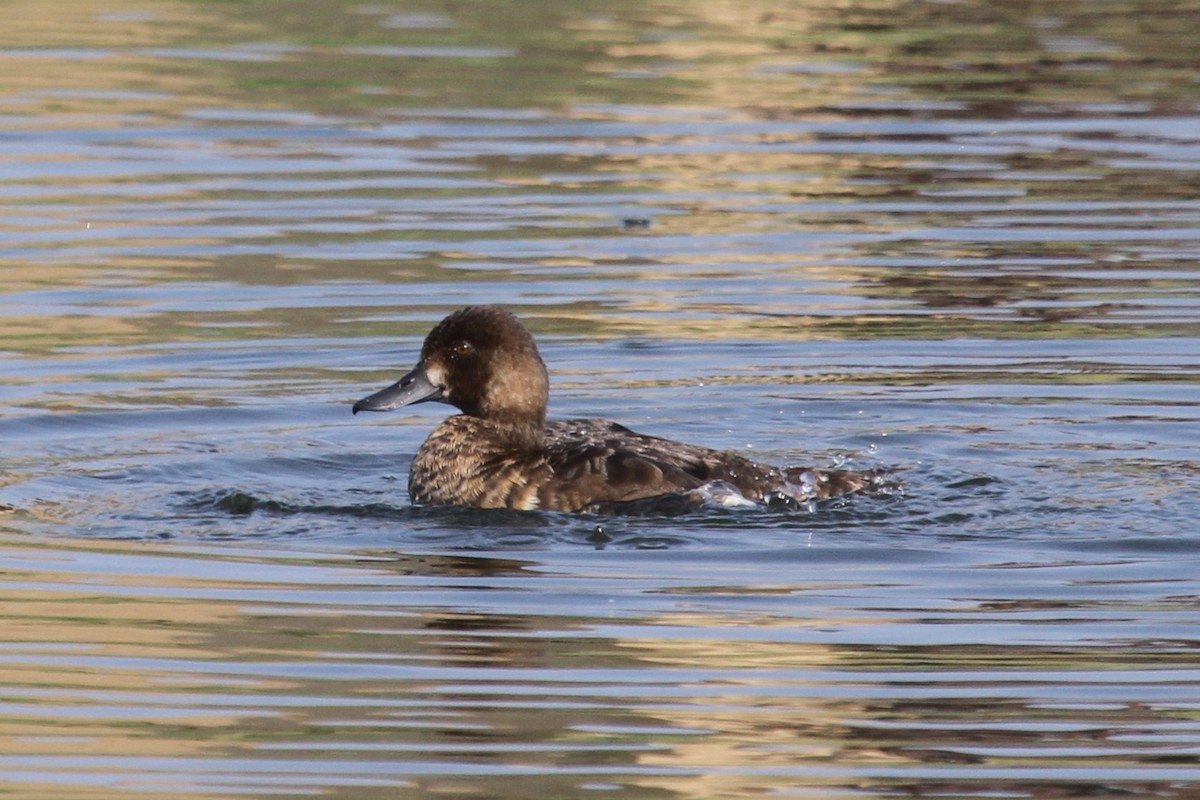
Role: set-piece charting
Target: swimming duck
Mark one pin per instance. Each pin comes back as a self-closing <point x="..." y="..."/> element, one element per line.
<point x="501" y="452"/>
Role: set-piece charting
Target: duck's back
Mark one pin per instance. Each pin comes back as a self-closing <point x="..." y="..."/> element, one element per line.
<point x="586" y="463"/>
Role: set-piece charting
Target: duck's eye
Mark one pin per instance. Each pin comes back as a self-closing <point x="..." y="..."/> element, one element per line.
<point x="462" y="348"/>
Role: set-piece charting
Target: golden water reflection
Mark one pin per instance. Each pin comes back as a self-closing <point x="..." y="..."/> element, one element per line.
<point x="195" y="665"/>
<point x="904" y="218"/>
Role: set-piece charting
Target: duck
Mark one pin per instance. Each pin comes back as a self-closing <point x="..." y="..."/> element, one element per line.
<point x="500" y="451"/>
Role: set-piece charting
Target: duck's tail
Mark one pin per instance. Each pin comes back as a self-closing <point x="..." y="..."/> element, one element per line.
<point x="809" y="483"/>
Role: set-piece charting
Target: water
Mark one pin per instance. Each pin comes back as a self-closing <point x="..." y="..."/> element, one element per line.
<point x="959" y="240"/>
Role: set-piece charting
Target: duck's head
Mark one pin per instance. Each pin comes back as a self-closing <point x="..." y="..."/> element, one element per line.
<point x="479" y="359"/>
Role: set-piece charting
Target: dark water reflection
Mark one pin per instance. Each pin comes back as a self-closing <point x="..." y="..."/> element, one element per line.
<point x="957" y="239"/>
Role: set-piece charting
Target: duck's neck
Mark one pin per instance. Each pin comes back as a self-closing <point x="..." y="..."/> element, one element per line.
<point x="521" y="430"/>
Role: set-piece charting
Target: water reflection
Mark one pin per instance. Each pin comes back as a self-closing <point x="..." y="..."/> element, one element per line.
<point x="226" y="669"/>
<point x="424" y="195"/>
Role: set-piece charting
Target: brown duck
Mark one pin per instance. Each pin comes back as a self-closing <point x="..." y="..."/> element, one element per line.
<point x="500" y="452"/>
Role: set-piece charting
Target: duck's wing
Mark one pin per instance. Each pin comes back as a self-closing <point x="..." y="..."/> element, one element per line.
<point x="621" y="465"/>
<point x="596" y="463"/>
<point x="601" y="434"/>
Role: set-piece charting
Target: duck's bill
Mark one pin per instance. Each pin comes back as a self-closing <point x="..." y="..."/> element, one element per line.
<point x="415" y="387"/>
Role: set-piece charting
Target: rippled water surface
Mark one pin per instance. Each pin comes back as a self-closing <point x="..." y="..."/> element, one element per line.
<point x="956" y="239"/>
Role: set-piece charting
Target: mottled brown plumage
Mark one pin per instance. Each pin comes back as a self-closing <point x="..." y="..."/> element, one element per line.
<point x="501" y="453"/>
